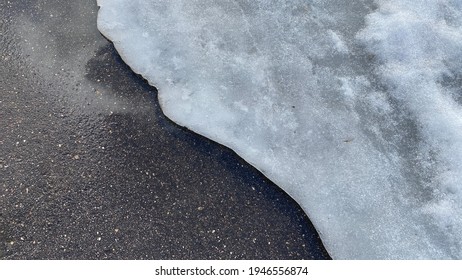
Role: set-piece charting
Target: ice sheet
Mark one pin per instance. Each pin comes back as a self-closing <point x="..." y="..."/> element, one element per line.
<point x="352" y="107"/>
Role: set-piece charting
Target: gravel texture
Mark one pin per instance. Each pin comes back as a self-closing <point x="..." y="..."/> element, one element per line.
<point x="90" y="168"/>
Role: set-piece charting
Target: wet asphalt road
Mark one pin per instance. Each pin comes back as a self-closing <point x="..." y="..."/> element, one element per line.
<point x="90" y="168"/>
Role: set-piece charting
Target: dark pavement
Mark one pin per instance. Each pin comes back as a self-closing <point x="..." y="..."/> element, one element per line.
<point x="90" y="168"/>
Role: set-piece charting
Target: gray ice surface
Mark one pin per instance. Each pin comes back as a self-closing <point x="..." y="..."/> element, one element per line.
<point x="352" y="107"/>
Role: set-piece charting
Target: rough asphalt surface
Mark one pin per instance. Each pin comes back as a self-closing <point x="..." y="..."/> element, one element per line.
<point x="91" y="169"/>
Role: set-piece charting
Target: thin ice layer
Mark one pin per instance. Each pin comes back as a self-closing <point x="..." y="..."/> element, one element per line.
<point x="419" y="46"/>
<point x="290" y="86"/>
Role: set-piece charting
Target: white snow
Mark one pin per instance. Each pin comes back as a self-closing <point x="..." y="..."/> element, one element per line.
<point x="352" y="107"/>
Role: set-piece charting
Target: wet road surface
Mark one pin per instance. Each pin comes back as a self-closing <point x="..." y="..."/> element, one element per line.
<point x="90" y="168"/>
